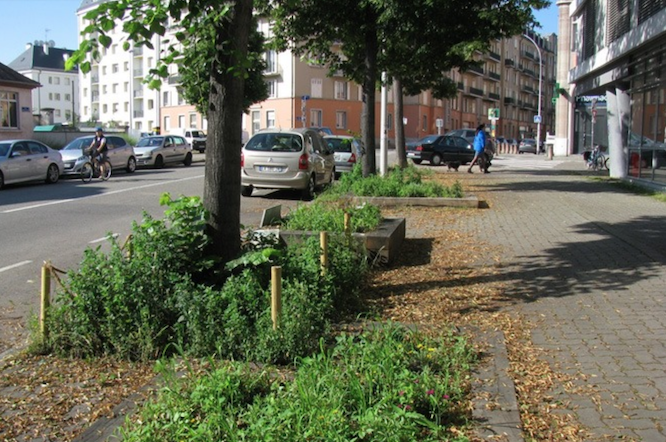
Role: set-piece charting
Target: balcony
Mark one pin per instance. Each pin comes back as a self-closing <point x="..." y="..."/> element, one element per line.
<point x="475" y="91"/>
<point x="529" y="89"/>
<point x="95" y="97"/>
<point x="272" y="71"/>
<point x="94" y="79"/>
<point x="138" y="93"/>
<point x="493" y="96"/>
<point x="137" y="51"/>
<point x="509" y="100"/>
<point x="174" y="79"/>
<point x="508" y="62"/>
<point x="138" y="72"/>
<point x="530" y="72"/>
<point x="476" y="69"/>
<point x="461" y="86"/>
<point x="495" y="56"/>
<point x="529" y="55"/>
<point x="138" y="114"/>
<point x="494" y="76"/>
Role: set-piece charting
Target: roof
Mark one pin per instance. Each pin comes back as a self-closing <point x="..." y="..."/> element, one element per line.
<point x="34" y="57"/>
<point x="85" y="4"/>
<point x="10" y="76"/>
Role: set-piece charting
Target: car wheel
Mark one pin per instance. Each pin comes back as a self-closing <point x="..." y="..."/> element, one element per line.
<point x="159" y="162"/>
<point x="436" y="160"/>
<point x="52" y="174"/>
<point x="309" y="191"/>
<point x="332" y="178"/>
<point x="2" y="180"/>
<point x="188" y="159"/>
<point x="246" y="190"/>
<point x="131" y="165"/>
<point x="417" y="161"/>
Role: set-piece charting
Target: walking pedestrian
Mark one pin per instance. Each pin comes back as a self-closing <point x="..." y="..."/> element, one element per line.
<point x="479" y="147"/>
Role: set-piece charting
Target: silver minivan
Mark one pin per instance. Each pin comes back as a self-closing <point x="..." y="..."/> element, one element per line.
<point x="286" y="159"/>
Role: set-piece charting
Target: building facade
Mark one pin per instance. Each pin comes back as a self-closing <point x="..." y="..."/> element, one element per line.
<point x="15" y="100"/>
<point x="615" y="56"/>
<point x="56" y="101"/>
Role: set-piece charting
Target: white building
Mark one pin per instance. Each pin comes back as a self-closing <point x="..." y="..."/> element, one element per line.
<point x="56" y="101"/>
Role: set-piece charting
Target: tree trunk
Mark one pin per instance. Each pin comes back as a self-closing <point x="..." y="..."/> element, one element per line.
<point x="221" y="196"/>
<point x="368" y="112"/>
<point x="399" y="127"/>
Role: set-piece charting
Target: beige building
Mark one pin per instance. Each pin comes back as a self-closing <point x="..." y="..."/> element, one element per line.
<point x="15" y="104"/>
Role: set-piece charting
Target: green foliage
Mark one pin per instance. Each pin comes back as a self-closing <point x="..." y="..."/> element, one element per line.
<point x="164" y="293"/>
<point x="407" y="182"/>
<point x="322" y="216"/>
<point x="387" y="384"/>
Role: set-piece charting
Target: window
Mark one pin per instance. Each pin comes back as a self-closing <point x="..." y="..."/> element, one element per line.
<point x="270" y="118"/>
<point x="256" y="121"/>
<point x="315" y="117"/>
<point x="114" y="88"/>
<point x="271" y="62"/>
<point x="126" y="86"/>
<point x="114" y="68"/>
<point x="68" y="97"/>
<point x="9" y="110"/>
<point x="103" y="70"/>
<point x="424" y="125"/>
<point x="341" y="120"/>
<point x="56" y="80"/>
<point x="85" y="91"/>
<point x="316" y="87"/>
<point x="105" y="108"/>
<point x="167" y="122"/>
<point x="151" y="104"/>
<point x="341" y="90"/>
<point x="50" y="80"/>
<point x="115" y="107"/>
<point x="57" y="97"/>
<point x="165" y="98"/>
<point x="50" y="95"/>
<point x="126" y="107"/>
<point x="68" y="115"/>
<point x="193" y="121"/>
<point x="181" y="120"/>
<point x="68" y="81"/>
<point x="126" y="66"/>
<point x="271" y="85"/>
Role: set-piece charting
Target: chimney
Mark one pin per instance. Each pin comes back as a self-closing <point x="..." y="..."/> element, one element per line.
<point x="28" y="46"/>
<point x="46" y="47"/>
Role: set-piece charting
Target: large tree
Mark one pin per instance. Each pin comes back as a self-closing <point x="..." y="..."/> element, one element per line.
<point x="414" y="41"/>
<point x="216" y="49"/>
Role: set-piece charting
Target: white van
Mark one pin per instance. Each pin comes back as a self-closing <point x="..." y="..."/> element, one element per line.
<point x="196" y="138"/>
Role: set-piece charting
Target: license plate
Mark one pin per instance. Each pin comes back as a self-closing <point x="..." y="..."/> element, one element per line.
<point x="270" y="169"/>
<point x="413" y="155"/>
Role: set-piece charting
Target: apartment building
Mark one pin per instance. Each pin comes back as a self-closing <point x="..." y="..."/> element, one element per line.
<point x="15" y="112"/>
<point x="56" y="101"/>
<point x="614" y="84"/>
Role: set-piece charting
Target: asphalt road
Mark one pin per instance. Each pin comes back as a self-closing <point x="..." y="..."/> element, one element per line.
<point x="56" y="223"/>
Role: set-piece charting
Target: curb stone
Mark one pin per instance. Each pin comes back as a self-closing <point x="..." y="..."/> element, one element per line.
<point x="495" y="403"/>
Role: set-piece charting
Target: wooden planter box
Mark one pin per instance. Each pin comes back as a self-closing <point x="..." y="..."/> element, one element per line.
<point x="381" y="245"/>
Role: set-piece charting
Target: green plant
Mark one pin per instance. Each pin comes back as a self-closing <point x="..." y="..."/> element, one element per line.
<point x="386" y="384"/>
<point x="329" y="217"/>
<point x="407" y="182"/>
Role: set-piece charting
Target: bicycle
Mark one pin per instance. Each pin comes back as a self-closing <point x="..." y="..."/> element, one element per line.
<point x="596" y="159"/>
<point x="91" y="168"/>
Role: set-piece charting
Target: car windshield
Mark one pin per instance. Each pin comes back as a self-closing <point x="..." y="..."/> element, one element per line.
<point x="4" y="149"/>
<point x="150" y="142"/>
<point x="276" y="142"/>
<point x="198" y="134"/>
<point x="78" y="144"/>
<point x="339" y="144"/>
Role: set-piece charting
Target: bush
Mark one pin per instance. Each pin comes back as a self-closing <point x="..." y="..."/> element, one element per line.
<point x="407" y="182"/>
<point x="160" y="298"/>
<point x="325" y="216"/>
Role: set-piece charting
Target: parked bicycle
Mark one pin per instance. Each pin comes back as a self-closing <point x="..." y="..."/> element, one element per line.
<point x="93" y="169"/>
<point x="595" y="159"/>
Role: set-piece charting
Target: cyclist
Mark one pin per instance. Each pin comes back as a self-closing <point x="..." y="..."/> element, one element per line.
<point x="98" y="149"/>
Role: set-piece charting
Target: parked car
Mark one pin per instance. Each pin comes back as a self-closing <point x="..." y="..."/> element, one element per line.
<point x="347" y="151"/>
<point x="195" y="137"/>
<point x="323" y="130"/>
<point x="159" y="150"/>
<point x="469" y="135"/>
<point x="28" y="160"/>
<point x="286" y="159"/>
<point x="528" y="145"/>
<point x="120" y="154"/>
<point x="441" y="149"/>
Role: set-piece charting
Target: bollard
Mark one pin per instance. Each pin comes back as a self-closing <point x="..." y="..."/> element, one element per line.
<point x="45" y="299"/>
<point x="276" y="296"/>
<point x="323" y="245"/>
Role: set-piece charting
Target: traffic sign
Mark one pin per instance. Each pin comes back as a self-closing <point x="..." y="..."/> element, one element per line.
<point x="537" y="119"/>
<point x="493" y="113"/>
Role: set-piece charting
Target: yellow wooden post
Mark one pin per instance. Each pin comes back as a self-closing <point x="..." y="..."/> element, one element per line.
<point x="276" y="296"/>
<point x="45" y="298"/>
<point x="347" y="224"/>
<point x="323" y="244"/>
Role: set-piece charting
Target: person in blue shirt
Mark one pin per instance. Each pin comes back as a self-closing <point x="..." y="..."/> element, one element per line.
<point x="479" y="147"/>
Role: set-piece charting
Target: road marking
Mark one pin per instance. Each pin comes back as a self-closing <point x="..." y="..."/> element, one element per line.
<point x="115" y="235"/>
<point x="131" y="189"/>
<point x="13" y="266"/>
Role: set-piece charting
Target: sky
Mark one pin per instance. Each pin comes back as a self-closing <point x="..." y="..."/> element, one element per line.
<point x="25" y="21"/>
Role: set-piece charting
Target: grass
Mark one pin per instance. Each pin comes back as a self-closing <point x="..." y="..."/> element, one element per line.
<point x="634" y="188"/>
<point x="387" y="384"/>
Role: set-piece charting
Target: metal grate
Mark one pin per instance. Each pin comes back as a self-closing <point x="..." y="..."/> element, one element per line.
<point x="619" y="19"/>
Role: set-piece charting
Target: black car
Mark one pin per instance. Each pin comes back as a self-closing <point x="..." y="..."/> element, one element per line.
<point x="438" y="149"/>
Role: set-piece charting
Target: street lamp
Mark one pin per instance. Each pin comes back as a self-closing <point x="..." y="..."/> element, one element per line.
<point x="539" y="105"/>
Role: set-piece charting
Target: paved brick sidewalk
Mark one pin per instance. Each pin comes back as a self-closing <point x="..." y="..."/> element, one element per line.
<point x="585" y="262"/>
